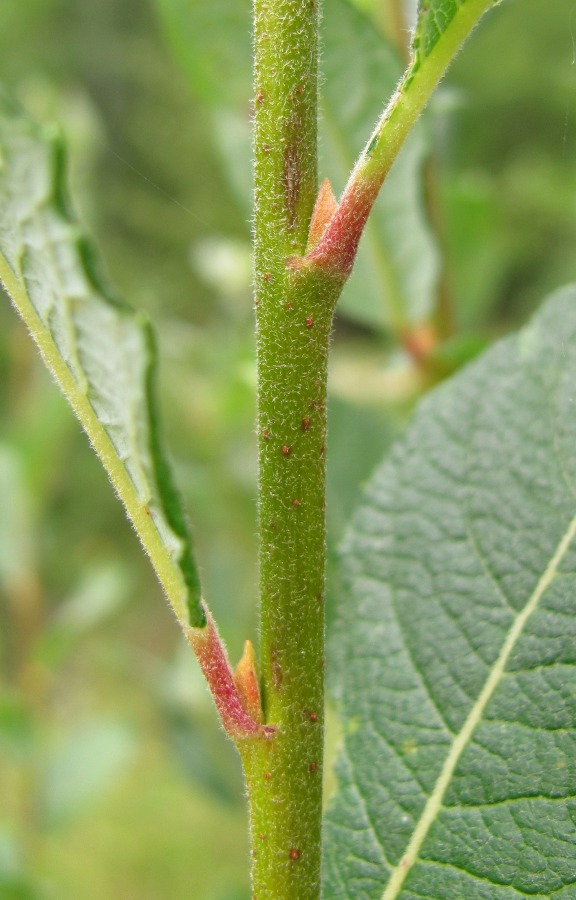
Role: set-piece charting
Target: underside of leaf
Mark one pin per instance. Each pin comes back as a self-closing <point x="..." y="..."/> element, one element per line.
<point x="100" y="351"/>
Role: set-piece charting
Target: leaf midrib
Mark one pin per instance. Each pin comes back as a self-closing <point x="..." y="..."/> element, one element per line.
<point x="434" y="802"/>
<point x="167" y="570"/>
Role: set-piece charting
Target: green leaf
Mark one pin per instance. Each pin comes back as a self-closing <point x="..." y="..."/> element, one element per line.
<point x="212" y="43"/>
<point x="435" y="18"/>
<point x="100" y="351"/>
<point x="456" y="641"/>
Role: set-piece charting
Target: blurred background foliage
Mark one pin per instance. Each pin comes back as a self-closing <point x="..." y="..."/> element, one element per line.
<point x="114" y="779"/>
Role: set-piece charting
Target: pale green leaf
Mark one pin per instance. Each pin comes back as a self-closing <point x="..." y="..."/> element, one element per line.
<point x="100" y="351"/>
<point x="456" y="641"/>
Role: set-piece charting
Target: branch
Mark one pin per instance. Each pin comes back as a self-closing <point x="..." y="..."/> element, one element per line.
<point x="335" y="251"/>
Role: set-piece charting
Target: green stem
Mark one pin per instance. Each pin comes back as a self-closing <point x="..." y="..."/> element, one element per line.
<point x="297" y="284"/>
<point x="294" y="313"/>
<point x="337" y="249"/>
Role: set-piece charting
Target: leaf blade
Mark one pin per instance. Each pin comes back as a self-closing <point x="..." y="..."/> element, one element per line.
<point x="101" y="353"/>
<point x="462" y="561"/>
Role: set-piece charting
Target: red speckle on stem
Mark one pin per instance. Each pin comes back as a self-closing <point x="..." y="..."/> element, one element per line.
<point x="259" y="97"/>
<point x="286" y="450"/>
<point x="309" y="322"/>
<point x="313" y="717"/>
<point x="265" y="434"/>
<point x="296" y="502"/>
<point x="313" y="767"/>
<point x="294" y="853"/>
<point x="266" y="776"/>
<point x="305" y="424"/>
<point x="266" y="276"/>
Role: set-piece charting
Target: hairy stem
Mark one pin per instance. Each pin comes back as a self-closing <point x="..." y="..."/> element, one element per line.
<point x="337" y="249"/>
<point x="300" y="270"/>
<point x="294" y="311"/>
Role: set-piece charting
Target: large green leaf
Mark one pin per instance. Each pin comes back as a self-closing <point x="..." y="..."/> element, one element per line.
<point x="456" y="641"/>
<point x="395" y="273"/>
<point x="100" y="351"/>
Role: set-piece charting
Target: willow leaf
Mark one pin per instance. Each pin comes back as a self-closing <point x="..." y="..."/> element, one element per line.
<point x="456" y="641"/>
<point x="100" y="351"/>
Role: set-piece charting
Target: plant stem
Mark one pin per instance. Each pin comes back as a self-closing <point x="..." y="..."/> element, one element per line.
<point x="294" y="312"/>
<point x="297" y="284"/>
<point x="337" y="249"/>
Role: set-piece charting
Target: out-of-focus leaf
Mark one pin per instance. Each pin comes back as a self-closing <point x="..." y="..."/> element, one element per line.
<point x="358" y="436"/>
<point x="479" y="246"/>
<point x="84" y="765"/>
<point x="100" y="351"/>
<point x="99" y="595"/>
<point x="101" y="592"/>
<point x="15" y="884"/>
<point x="184" y="700"/>
<point x="16" y="532"/>
<point x="456" y="641"/>
<point x="17" y="731"/>
<point x="213" y="46"/>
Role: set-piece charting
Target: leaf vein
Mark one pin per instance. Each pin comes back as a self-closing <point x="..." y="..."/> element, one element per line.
<point x="495" y="804"/>
<point x="435" y="799"/>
